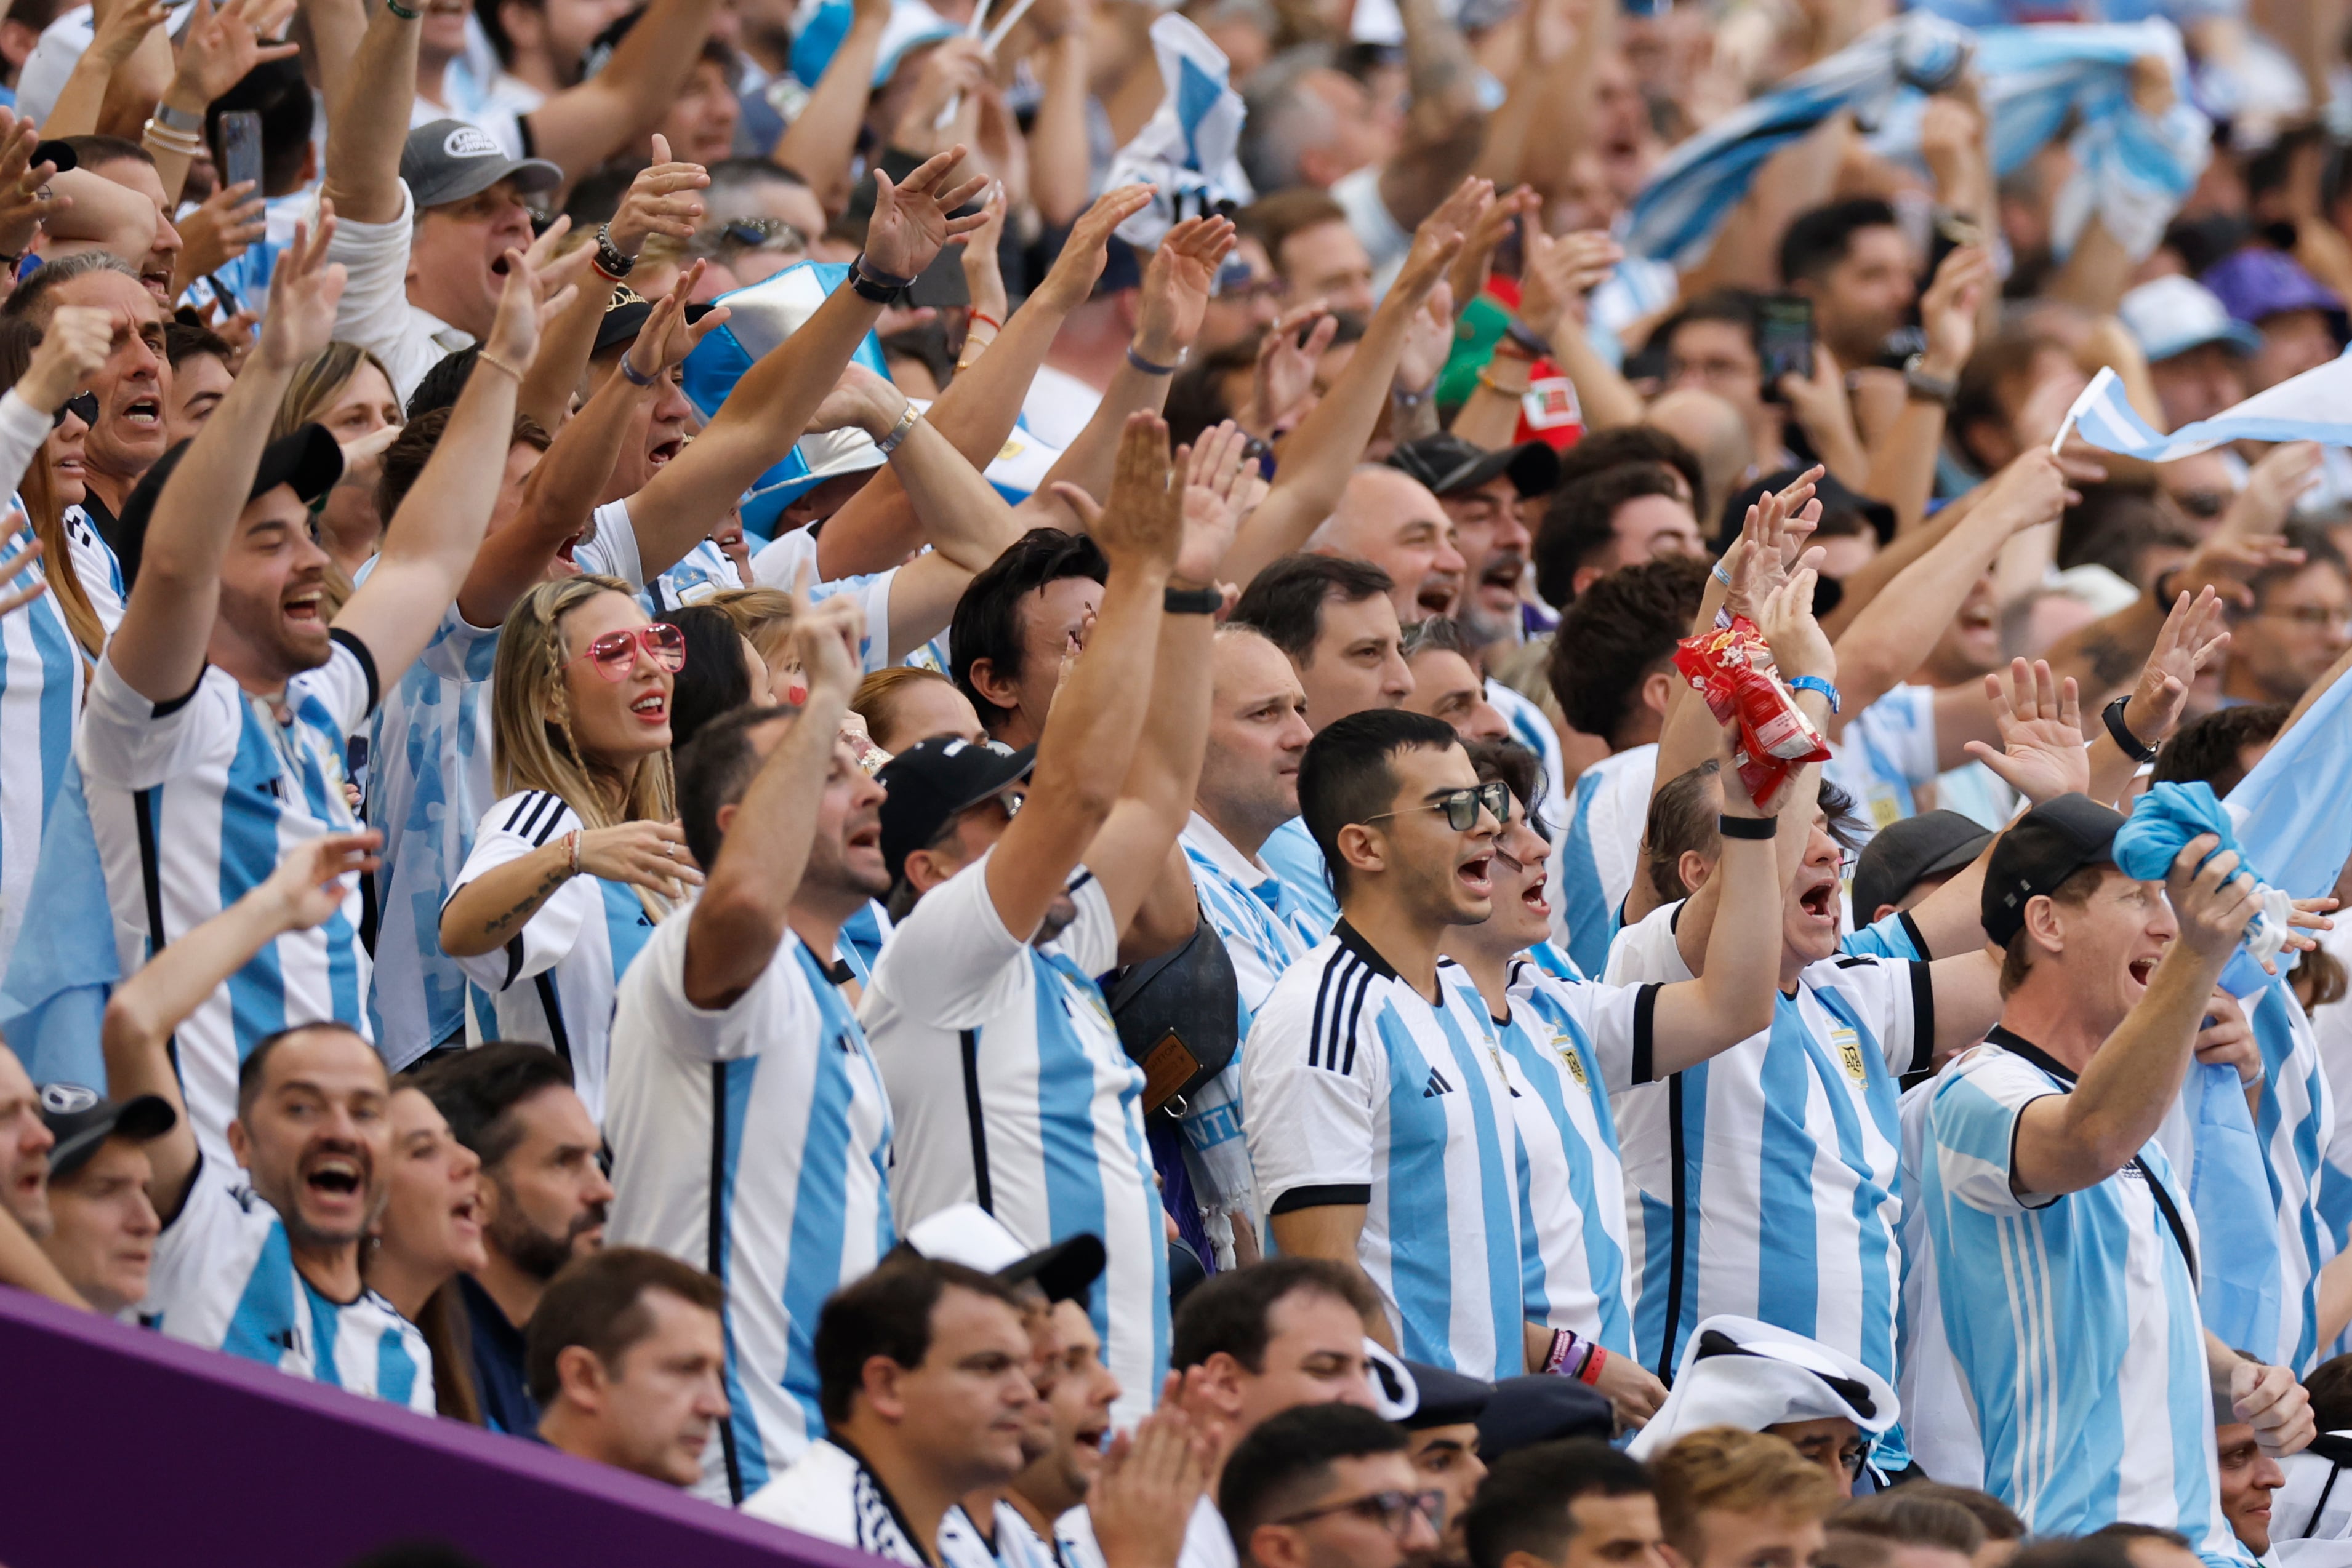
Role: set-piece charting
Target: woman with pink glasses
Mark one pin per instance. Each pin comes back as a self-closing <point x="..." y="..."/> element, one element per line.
<point x="571" y="869"/>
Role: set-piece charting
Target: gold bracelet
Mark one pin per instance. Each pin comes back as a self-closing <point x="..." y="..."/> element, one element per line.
<point x="1487" y="379"/>
<point x="484" y="357"/>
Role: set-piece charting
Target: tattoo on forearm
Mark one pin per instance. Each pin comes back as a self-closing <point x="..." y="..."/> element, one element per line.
<point x="530" y="902"/>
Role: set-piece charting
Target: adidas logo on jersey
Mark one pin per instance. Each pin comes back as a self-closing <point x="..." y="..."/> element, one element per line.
<point x="1436" y="1086"/>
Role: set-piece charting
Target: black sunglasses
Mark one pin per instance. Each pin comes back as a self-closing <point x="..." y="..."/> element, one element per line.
<point x="82" y="403"/>
<point x="1462" y="806"/>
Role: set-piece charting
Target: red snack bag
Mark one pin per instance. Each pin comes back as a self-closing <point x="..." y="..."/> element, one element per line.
<point x="1731" y="668"/>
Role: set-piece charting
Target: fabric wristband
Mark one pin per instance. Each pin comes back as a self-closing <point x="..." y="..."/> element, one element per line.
<point x="1756" y="828"/>
<point x="1192" y="600"/>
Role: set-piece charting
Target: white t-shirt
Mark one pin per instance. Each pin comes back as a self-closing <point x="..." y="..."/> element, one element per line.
<point x="193" y="803"/>
<point x="963" y="1015"/>
<point x="224" y="1278"/>
<point x="754" y="1140"/>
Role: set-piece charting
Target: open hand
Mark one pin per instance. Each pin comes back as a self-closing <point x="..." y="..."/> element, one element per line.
<point x="1217" y="494"/>
<point x="308" y="886"/>
<point x="2193" y="635"/>
<point x="667" y="337"/>
<point x="1142" y="525"/>
<point x="2040" y="722"/>
<point x="303" y="291"/>
<point x="660" y="200"/>
<point x="1176" y="285"/>
<point x="911" y="221"/>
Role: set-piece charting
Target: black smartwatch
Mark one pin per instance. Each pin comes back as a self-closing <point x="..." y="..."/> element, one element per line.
<point x="2133" y="746"/>
<point x="1192" y="600"/>
<point x="871" y="283"/>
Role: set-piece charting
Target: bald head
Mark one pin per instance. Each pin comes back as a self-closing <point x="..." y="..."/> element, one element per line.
<point x="1713" y="429"/>
<point x="1392" y="520"/>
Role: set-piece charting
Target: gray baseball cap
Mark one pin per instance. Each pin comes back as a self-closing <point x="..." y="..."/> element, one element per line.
<point x="447" y="160"/>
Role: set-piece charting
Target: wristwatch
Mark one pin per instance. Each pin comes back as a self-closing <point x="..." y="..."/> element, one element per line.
<point x="178" y="118"/>
<point x="1921" y="387"/>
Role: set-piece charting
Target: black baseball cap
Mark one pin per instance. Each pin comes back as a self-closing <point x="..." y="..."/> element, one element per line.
<point x="447" y="160"/>
<point x="60" y="153"/>
<point x="967" y="1234"/>
<point x="1448" y="1398"/>
<point x="1538" y="1407"/>
<point x="1903" y="856"/>
<point x="1448" y="463"/>
<point x="625" y="317"/>
<point x="933" y="781"/>
<point x="308" y="460"/>
<point x="81" y="1119"/>
<point x="2041" y="850"/>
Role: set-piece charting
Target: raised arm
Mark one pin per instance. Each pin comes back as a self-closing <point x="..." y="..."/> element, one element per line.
<point x="221" y="47"/>
<point x="1732" y="998"/>
<point x="2065" y="1143"/>
<point x="117" y="34"/>
<point x="1322" y="452"/>
<point x="770" y="407"/>
<point x="306" y="889"/>
<point x="1097" y="717"/>
<point x="736" y="925"/>
<point x="160" y="646"/>
<point x="429" y="543"/>
<point x="1903" y="468"/>
<point x="366" y="130"/>
<point x="820" y="144"/>
<point x="582" y="126"/>
<point x="1444" y="123"/>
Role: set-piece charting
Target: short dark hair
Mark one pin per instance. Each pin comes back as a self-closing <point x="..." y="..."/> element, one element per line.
<point x="476" y="1092"/>
<point x="2096" y="1550"/>
<point x="98" y="152"/>
<point x="1523" y="1505"/>
<point x="185" y="341"/>
<point x="1621" y="445"/>
<point x="714" y="681"/>
<point x="1231" y="1312"/>
<point x="987" y="623"/>
<point x="1580" y="522"/>
<point x="1285" y="1463"/>
<point x="1818" y="240"/>
<point x="443" y="379"/>
<point x="599" y="1302"/>
<point x="1731" y="307"/>
<point x="1909" y="1519"/>
<point x="1682" y="818"/>
<point x="887" y="1312"/>
<point x="2318" y="549"/>
<point x="2206" y="749"/>
<point x="277" y="91"/>
<point x="1346" y="775"/>
<point x="1617" y="632"/>
<point x="1519" y="768"/>
<point x="1272" y="220"/>
<point x="1285" y="601"/>
<point x="714" y="769"/>
<point x="256" y="1066"/>
<point x="404" y="461"/>
<point x="2330" y="1387"/>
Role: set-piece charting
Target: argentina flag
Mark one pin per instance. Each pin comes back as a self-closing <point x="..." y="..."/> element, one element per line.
<point x="2312" y="406"/>
<point x="66" y="963"/>
<point x="1188" y="151"/>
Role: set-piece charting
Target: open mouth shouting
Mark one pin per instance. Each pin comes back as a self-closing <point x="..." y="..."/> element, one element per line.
<point x="335" y="1179"/>
<point x="144" y="414"/>
<point x="1438" y="592"/>
<point x="2141" y="970"/>
<point x="1819" y="897"/>
<point x="1475" y="876"/>
<point x="1498" y="585"/>
<point x="306" y="607"/>
<point x="661" y="454"/>
<point x="652" y="708"/>
<point x="465" y="1216"/>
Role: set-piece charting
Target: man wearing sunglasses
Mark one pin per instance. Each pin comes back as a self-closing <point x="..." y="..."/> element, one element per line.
<point x="1328" y="1486"/>
<point x="1380" y="1122"/>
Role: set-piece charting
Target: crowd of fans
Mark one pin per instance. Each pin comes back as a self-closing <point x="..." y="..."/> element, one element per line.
<point x="941" y="767"/>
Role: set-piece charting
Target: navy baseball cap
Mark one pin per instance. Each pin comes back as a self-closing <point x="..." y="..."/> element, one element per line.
<point x="81" y="1119"/>
<point x="2041" y="850"/>
<point x="934" y="781"/>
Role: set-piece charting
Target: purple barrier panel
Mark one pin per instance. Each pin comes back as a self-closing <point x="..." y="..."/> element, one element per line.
<point x="121" y="1448"/>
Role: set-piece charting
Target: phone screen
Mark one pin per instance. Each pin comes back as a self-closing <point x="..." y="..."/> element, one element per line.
<point x="240" y="137"/>
<point x="1784" y="337"/>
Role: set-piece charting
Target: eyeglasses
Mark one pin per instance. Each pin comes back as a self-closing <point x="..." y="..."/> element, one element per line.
<point x="83" y="405"/>
<point x="762" y="233"/>
<point x="1462" y="806"/>
<point x="1392" y="1510"/>
<point x="615" y="653"/>
<point x="2310" y="617"/>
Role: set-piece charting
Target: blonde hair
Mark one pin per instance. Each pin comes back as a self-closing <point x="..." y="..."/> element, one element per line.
<point x="1739" y="1471"/>
<point x="763" y="614"/>
<point x="43" y="511"/>
<point x="877" y="698"/>
<point x="317" y="382"/>
<point x="532" y="750"/>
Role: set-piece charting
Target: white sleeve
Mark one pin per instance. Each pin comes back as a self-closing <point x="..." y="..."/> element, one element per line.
<point x="373" y="311"/>
<point x="777" y="1005"/>
<point x="1619" y="1020"/>
<point x="346" y="682"/>
<point x="1647" y="950"/>
<point x="1895" y="997"/>
<point x="945" y="962"/>
<point x="872" y="592"/>
<point x="511" y="829"/>
<point x="131" y="743"/>
<point x="613" y="551"/>
<point x="1313" y="1096"/>
<point x="1972" y="1128"/>
<point x="22" y="429"/>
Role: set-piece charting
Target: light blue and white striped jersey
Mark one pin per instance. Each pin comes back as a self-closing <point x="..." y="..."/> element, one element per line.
<point x="1264" y="929"/>
<point x="95" y="563"/>
<point x="193" y="803"/>
<point x="1887" y="750"/>
<point x="1531" y="727"/>
<point x="1361" y="1090"/>
<point x="2073" y="1320"/>
<point x="41" y="680"/>
<point x="224" y="1278"/>
<point x="753" y="1141"/>
<point x="1938" y="1421"/>
<point x="1601" y="852"/>
<point x="428" y="784"/>
<point x="1896" y="936"/>
<point x="1014" y="1544"/>
<point x="1766" y="1181"/>
<point x="1574" y="1045"/>
<point x="558" y="979"/>
<point x="1291" y="851"/>
<point x="1011" y="1090"/>
<point x="2296" y="1123"/>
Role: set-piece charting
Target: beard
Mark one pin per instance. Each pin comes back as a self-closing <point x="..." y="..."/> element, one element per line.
<point x="542" y="1254"/>
<point x="260" y="622"/>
